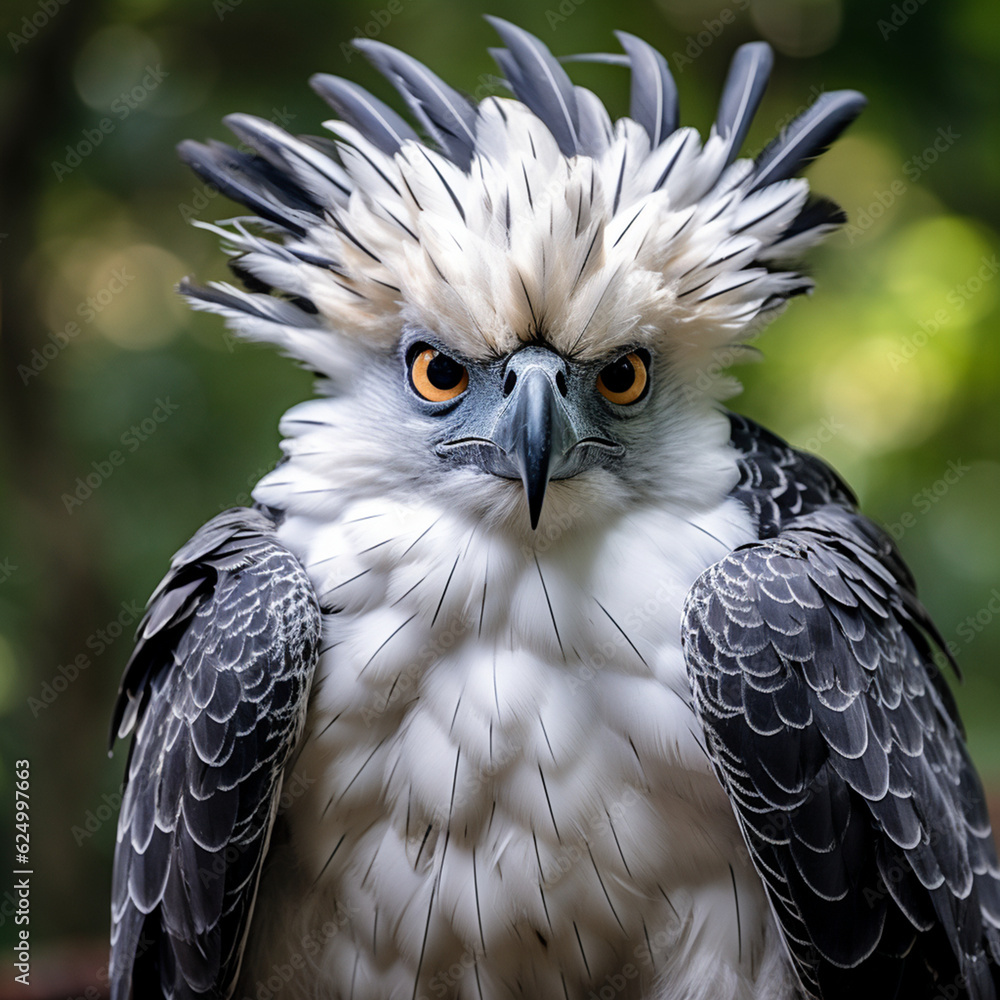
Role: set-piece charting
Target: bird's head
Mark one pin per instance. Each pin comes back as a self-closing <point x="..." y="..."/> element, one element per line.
<point x="525" y="310"/>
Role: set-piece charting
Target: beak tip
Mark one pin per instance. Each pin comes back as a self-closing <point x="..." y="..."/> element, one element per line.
<point x="535" y="422"/>
<point x="535" y="495"/>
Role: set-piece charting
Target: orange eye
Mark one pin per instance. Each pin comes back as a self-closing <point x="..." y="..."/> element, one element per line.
<point x="623" y="381"/>
<point x="437" y="377"/>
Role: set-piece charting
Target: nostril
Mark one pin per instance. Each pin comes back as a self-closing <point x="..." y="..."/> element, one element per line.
<point x="510" y="382"/>
<point x="561" y="382"/>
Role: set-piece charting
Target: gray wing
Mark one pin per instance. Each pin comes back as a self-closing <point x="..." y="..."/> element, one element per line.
<point x="839" y="745"/>
<point x="216" y="692"/>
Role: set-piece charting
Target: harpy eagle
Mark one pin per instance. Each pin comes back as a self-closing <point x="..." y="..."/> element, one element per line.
<point x="533" y="671"/>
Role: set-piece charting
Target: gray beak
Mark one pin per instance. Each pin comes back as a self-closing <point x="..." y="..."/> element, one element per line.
<point x="534" y="430"/>
<point x="544" y="422"/>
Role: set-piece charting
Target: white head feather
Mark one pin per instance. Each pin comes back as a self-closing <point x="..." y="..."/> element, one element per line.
<point x="535" y="221"/>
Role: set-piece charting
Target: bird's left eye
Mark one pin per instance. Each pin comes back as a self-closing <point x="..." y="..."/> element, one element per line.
<point x="624" y="381"/>
<point x="437" y="377"/>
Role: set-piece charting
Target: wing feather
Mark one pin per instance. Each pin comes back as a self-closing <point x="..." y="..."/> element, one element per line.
<point x="835" y="737"/>
<point x="216" y="693"/>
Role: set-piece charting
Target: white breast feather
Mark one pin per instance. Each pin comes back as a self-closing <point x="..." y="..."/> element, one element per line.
<point x="483" y="774"/>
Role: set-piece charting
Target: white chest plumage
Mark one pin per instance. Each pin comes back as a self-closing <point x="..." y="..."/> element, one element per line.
<point x="501" y="790"/>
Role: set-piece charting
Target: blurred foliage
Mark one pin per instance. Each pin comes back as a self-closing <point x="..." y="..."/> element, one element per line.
<point x="890" y="371"/>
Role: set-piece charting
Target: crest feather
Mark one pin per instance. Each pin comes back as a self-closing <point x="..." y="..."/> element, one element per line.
<point x="528" y="217"/>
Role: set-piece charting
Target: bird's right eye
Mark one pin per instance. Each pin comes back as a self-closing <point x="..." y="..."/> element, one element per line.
<point x="436" y="377"/>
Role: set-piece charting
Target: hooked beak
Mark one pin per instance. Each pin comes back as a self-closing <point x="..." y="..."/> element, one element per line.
<point x="536" y="435"/>
<point x="541" y="429"/>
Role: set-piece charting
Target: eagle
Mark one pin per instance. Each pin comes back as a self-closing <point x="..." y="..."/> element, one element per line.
<point x="533" y="670"/>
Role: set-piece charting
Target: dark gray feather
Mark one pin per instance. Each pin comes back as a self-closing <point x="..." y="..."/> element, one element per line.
<point x="321" y="179"/>
<point x="748" y="75"/>
<point x="817" y="214"/>
<point x="653" y="99"/>
<point x="443" y="111"/>
<point x="274" y="195"/>
<point x="216" y="692"/>
<point x="808" y="136"/>
<point x="837" y="740"/>
<point x="538" y="80"/>
<point x="376" y="121"/>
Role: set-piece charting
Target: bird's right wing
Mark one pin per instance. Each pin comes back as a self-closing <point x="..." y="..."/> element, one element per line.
<point x="216" y="692"/>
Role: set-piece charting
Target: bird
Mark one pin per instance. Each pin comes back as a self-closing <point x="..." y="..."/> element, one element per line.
<point x="533" y="670"/>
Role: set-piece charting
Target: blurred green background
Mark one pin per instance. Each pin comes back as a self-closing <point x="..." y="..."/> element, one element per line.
<point x="126" y="420"/>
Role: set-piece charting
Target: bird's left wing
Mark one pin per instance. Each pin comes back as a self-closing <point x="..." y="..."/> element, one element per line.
<point x="838" y="743"/>
<point x="216" y="691"/>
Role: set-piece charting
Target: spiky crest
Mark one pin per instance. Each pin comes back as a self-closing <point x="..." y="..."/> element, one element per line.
<point x="525" y="218"/>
